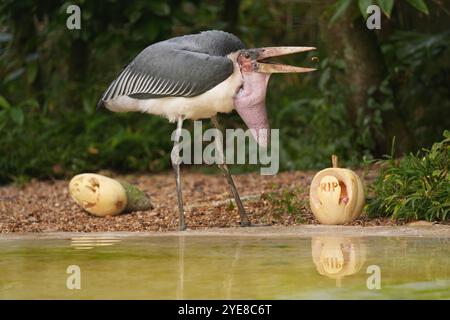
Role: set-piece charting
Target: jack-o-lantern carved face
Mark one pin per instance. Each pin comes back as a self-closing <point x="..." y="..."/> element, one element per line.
<point x="336" y="195"/>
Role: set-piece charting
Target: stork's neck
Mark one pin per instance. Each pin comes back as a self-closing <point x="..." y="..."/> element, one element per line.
<point x="253" y="90"/>
<point x="250" y="103"/>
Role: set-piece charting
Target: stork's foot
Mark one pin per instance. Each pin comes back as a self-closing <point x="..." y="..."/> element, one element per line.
<point x="245" y="224"/>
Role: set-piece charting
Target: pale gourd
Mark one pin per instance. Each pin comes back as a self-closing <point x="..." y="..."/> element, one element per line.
<point x="97" y="194"/>
<point x="336" y="195"/>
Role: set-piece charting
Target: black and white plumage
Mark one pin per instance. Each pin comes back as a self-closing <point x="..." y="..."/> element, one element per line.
<point x="185" y="66"/>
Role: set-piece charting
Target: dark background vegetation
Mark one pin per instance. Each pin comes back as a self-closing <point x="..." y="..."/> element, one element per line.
<point x="370" y="86"/>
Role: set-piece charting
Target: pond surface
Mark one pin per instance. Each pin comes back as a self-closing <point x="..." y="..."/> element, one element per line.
<point x="227" y="267"/>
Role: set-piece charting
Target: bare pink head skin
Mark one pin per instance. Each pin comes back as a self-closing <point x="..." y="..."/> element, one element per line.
<point x="250" y="99"/>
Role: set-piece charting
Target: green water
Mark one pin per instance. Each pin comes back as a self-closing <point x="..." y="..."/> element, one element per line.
<point x="213" y="267"/>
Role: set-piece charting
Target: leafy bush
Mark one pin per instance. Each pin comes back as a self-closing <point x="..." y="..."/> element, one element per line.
<point x="57" y="144"/>
<point x="314" y="127"/>
<point x="415" y="187"/>
<point x="419" y="65"/>
<point x="51" y="78"/>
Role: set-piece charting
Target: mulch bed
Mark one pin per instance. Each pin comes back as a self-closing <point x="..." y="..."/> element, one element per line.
<point x="46" y="206"/>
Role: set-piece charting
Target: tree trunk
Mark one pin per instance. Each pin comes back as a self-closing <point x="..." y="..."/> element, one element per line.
<point x="350" y="40"/>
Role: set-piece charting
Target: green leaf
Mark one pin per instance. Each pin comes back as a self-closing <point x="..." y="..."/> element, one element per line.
<point x="17" y="115"/>
<point x="160" y="8"/>
<point x="31" y="103"/>
<point x="32" y="70"/>
<point x="436" y="173"/>
<point x="363" y="5"/>
<point x="386" y="6"/>
<point x="419" y="5"/>
<point x="447" y="133"/>
<point x="341" y="7"/>
<point x="4" y="103"/>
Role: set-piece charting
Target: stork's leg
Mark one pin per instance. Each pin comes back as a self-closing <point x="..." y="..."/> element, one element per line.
<point x="224" y="168"/>
<point x="176" y="161"/>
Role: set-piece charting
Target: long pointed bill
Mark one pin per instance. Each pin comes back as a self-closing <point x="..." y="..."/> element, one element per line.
<point x="264" y="66"/>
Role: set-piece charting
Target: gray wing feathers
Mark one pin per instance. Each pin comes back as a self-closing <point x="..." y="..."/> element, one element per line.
<point x="185" y="66"/>
<point x="172" y="72"/>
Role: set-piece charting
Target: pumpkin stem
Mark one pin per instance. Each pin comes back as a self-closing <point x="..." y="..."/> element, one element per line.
<point x="334" y="161"/>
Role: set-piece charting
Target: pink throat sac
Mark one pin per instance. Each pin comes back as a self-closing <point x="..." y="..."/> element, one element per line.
<point x="250" y="105"/>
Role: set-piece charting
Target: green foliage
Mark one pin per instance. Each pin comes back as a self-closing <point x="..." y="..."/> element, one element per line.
<point x="386" y="7"/>
<point x="73" y="142"/>
<point x="418" y="66"/>
<point x="415" y="187"/>
<point x="339" y="8"/>
<point x="363" y="5"/>
<point x="419" y="5"/>
<point x="51" y="78"/>
<point x="318" y="126"/>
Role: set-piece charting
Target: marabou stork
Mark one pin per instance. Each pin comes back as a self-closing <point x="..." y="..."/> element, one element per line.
<point x="195" y="77"/>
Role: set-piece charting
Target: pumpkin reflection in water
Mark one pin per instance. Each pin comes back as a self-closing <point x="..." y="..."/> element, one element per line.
<point x="337" y="257"/>
<point x="336" y="195"/>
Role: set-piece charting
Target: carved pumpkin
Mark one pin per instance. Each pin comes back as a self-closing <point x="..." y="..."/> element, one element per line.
<point x="336" y="195"/>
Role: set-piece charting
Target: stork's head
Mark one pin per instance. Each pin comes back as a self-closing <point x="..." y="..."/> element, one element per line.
<point x="256" y="69"/>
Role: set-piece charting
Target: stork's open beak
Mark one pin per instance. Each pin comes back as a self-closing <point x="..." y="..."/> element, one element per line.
<point x="263" y="64"/>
